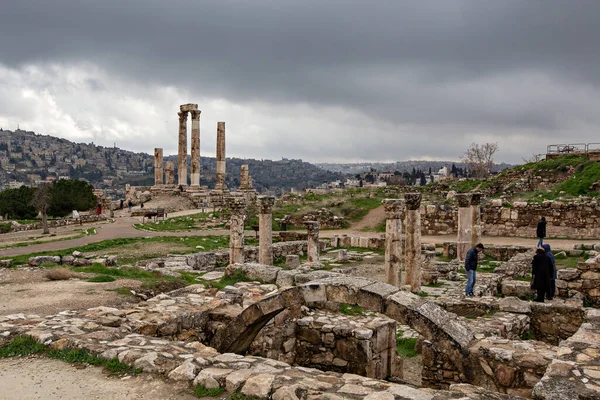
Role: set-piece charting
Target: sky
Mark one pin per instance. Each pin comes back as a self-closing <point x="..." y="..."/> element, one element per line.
<point x="320" y="80"/>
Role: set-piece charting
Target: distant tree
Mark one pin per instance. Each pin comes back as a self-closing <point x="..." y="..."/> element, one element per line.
<point x="16" y="203"/>
<point x="480" y="159"/>
<point x="41" y="201"/>
<point x="429" y="171"/>
<point x="69" y="195"/>
<point x="423" y="181"/>
<point x="454" y="171"/>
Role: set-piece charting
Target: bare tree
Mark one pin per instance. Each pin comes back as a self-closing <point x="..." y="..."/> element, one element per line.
<point x="480" y="158"/>
<point x="41" y="202"/>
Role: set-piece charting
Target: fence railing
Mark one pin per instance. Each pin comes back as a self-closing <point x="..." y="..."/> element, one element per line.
<point x="579" y="148"/>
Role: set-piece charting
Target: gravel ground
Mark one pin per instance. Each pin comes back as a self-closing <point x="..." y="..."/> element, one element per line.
<point x="41" y="378"/>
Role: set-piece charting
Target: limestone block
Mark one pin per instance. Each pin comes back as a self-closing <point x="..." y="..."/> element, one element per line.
<point x="567" y="274"/>
<point x="236" y="379"/>
<point x="185" y="372"/>
<point x="292" y="261"/>
<point x="39" y="260"/>
<point x="260" y="272"/>
<point x="259" y="386"/>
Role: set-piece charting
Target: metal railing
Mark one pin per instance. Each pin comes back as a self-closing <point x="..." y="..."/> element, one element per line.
<point x="578" y="148"/>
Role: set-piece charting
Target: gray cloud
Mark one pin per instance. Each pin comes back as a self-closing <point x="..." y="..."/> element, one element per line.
<point x="344" y="80"/>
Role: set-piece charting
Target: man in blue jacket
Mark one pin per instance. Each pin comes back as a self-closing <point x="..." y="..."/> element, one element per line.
<point x="471" y="266"/>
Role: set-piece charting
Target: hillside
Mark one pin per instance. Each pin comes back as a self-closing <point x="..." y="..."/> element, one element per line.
<point x="423" y="165"/>
<point x="26" y="157"/>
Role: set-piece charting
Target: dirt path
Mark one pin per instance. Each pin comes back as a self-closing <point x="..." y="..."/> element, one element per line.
<point x="41" y="378"/>
<point x="29" y="292"/>
<point x="371" y="220"/>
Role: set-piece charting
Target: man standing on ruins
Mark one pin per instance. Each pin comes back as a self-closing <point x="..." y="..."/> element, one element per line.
<point x="471" y="266"/>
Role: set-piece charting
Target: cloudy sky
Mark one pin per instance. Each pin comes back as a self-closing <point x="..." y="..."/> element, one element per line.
<point x="323" y="80"/>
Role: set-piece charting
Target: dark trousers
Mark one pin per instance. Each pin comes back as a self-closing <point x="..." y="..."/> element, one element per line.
<point x="551" y="289"/>
<point x="541" y="293"/>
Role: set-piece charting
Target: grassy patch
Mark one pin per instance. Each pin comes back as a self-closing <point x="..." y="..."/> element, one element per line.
<point x="201" y="391"/>
<point x="352" y="309"/>
<point x="444" y="258"/>
<point x="22" y="346"/>
<point x="240" y="396"/>
<point x="405" y="347"/>
<point x="102" y="278"/>
<point x="437" y="284"/>
<point x="132" y="273"/>
<point x="528" y="335"/>
<point x="186" y="223"/>
<point x="423" y="294"/>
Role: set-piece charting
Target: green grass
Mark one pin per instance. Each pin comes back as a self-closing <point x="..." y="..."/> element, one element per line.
<point x="559" y="164"/>
<point x="102" y="278"/>
<point x="423" y="294"/>
<point x="201" y="391"/>
<point x="467" y="185"/>
<point x="131" y="273"/>
<point x="185" y="223"/>
<point x="405" y="347"/>
<point x="352" y="309"/>
<point x="437" y="284"/>
<point x="22" y="346"/>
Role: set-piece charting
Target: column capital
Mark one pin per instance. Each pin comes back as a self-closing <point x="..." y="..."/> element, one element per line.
<point x="312" y="226"/>
<point x="182" y="116"/>
<point x="463" y="199"/>
<point x="265" y="204"/>
<point x="237" y="205"/>
<point x="195" y="114"/>
<point x="413" y="200"/>
<point x="476" y="198"/>
<point x="394" y="208"/>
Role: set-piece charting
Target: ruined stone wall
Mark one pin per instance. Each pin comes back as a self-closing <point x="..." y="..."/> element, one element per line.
<point x="59" y="222"/>
<point x="581" y="282"/>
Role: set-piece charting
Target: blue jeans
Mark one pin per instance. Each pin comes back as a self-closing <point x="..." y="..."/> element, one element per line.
<point x="471" y="279"/>
<point x="540" y="242"/>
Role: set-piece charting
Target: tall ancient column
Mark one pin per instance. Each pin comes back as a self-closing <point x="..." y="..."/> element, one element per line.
<point x="463" y="241"/>
<point x="394" y="208"/>
<point x="237" y="207"/>
<point x="182" y="154"/>
<point x="220" y="185"/>
<point x="169" y="173"/>
<point x="244" y="178"/>
<point x="158" y="166"/>
<point x="412" y="267"/>
<point x="195" y="174"/>
<point x="312" y="250"/>
<point x="265" y="229"/>
<point x="477" y="230"/>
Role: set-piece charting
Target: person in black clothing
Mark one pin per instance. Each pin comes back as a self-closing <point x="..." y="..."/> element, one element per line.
<point x="552" y="287"/>
<point x="541" y="271"/>
<point x="471" y="260"/>
<point x="541" y="231"/>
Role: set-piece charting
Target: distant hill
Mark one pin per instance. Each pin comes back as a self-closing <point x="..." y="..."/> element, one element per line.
<point x="27" y="157"/>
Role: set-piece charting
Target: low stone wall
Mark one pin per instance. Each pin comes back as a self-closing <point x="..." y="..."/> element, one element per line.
<point x="581" y="282"/>
<point x="354" y="344"/>
<point x="500" y="253"/>
<point x="77" y="259"/>
<point x="84" y="219"/>
<point x="369" y="242"/>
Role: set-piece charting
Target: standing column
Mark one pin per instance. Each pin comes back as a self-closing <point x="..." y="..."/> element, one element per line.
<point x="195" y="175"/>
<point x="394" y="208"/>
<point x="220" y="185"/>
<point x="158" y="166"/>
<point x="477" y="230"/>
<point x="237" y="207"/>
<point x="265" y="229"/>
<point x="169" y="173"/>
<point x="312" y="250"/>
<point x="463" y="242"/>
<point x="182" y="155"/>
<point x="413" y="241"/>
<point x="244" y="178"/>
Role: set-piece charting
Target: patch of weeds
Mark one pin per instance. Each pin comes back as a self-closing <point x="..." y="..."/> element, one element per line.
<point x="423" y="294"/>
<point x="132" y="273"/>
<point x="75" y="356"/>
<point x="436" y="284"/>
<point x="528" y="335"/>
<point x="352" y="309"/>
<point x="522" y="278"/>
<point x="201" y="391"/>
<point x="102" y="278"/>
<point x="21" y="346"/>
<point x="405" y="347"/>
<point x="444" y="258"/>
<point x="527" y="297"/>
<point x="118" y="368"/>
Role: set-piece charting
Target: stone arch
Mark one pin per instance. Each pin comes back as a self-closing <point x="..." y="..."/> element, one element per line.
<point x="444" y="330"/>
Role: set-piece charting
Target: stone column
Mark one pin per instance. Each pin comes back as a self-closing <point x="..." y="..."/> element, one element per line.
<point x="265" y="229"/>
<point x="412" y="267"/>
<point x="394" y="208"/>
<point x="312" y="250"/>
<point x="244" y="178"/>
<point x="158" y="166"/>
<point x="220" y="185"/>
<point x="463" y="241"/>
<point x="237" y="207"/>
<point x="182" y="154"/>
<point x="477" y="230"/>
<point x="169" y="173"/>
<point x="195" y="174"/>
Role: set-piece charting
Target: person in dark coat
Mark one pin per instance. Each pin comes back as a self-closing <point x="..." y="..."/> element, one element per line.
<point x="541" y="270"/>
<point x="552" y="287"/>
<point x="541" y="231"/>
<point x="471" y="261"/>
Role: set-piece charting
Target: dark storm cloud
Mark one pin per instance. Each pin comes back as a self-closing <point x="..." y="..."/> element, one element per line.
<point x="447" y="70"/>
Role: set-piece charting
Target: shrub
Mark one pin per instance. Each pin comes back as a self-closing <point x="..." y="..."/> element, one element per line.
<point x="58" y="274"/>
